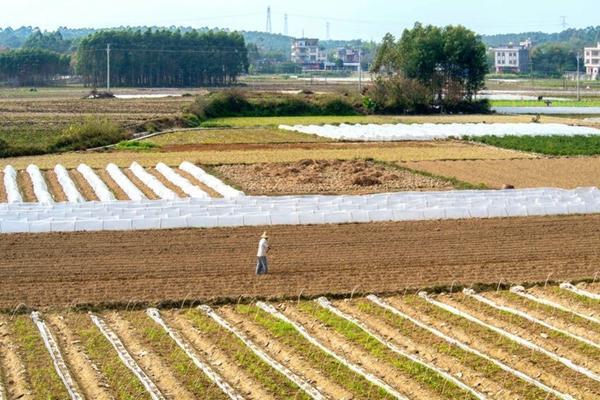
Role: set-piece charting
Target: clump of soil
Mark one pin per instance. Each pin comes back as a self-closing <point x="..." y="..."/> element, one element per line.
<point x="328" y="177"/>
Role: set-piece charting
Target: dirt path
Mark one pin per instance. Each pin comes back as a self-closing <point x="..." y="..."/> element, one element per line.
<point x="140" y="185"/>
<point x="535" y="365"/>
<point x="83" y="186"/>
<point x="216" y="357"/>
<point x="170" y="185"/>
<point x="203" y="264"/>
<point x="26" y="187"/>
<point x="565" y="321"/>
<point x="426" y="349"/>
<point x="54" y="186"/>
<point x="84" y="371"/>
<point x="11" y="366"/>
<point x="112" y="185"/>
<point x="285" y="355"/>
<point x="583" y="355"/>
<point x="147" y="360"/>
<point x="357" y="354"/>
<point x="196" y="182"/>
<point x="3" y="198"/>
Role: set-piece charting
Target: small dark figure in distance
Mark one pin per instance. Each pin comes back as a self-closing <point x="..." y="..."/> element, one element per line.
<point x="262" y="266"/>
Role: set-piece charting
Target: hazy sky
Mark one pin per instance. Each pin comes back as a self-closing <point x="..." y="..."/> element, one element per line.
<point x="366" y="19"/>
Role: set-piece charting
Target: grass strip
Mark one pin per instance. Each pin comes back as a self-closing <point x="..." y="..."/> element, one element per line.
<point x="414" y="370"/>
<point x="555" y="145"/>
<point x="154" y="337"/>
<point x="121" y="381"/>
<point x="482" y="366"/>
<point x="333" y="369"/>
<point x="45" y="382"/>
<point x="270" y="379"/>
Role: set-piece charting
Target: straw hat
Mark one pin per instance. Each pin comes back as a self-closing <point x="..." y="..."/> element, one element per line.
<point x="264" y="235"/>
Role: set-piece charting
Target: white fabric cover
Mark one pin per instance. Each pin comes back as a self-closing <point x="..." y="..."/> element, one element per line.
<point x="209" y="180"/>
<point x="124" y="183"/>
<point x="13" y="195"/>
<point x="181" y="182"/>
<point x="152" y="182"/>
<point x="100" y="188"/>
<point x="397" y="132"/>
<point x="39" y="185"/>
<point x="67" y="184"/>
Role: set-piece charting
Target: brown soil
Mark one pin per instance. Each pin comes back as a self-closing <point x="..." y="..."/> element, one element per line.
<point x="54" y="187"/>
<point x="2" y="189"/>
<point x="535" y="365"/>
<point x="286" y="356"/>
<point x="207" y="346"/>
<point x="203" y="264"/>
<point x="11" y="366"/>
<point x="425" y="349"/>
<point x="147" y="360"/>
<point x="590" y="287"/>
<point x="83" y="186"/>
<point x="310" y="176"/>
<point x="139" y="184"/>
<point x="196" y="182"/>
<point x="26" y="186"/>
<point x="581" y="354"/>
<point x="357" y="354"/>
<point x="567" y="173"/>
<point x="170" y="185"/>
<point x="112" y="185"/>
<point x="83" y="370"/>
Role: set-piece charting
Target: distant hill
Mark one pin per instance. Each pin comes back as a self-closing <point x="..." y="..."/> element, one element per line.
<point x="575" y="38"/>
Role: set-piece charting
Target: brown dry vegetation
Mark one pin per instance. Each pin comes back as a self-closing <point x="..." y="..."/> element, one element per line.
<point x="206" y="264"/>
<point x="320" y="176"/>
<point x="567" y="173"/>
<point x="249" y="154"/>
<point x="2" y="189"/>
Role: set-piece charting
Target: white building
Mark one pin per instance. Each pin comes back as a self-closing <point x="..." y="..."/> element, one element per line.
<point x="592" y="61"/>
<point x="306" y="52"/>
<point x="512" y="58"/>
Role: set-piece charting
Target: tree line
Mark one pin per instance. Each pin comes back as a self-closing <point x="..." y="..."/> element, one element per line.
<point x="32" y="67"/>
<point x="162" y="58"/>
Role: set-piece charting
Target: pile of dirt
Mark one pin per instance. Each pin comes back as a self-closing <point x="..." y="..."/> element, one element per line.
<point x="322" y="176"/>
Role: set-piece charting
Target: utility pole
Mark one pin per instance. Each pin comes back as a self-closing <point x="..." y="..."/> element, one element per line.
<point x="359" y="70"/>
<point x="108" y="68"/>
<point x="269" y="26"/>
<point x="285" y="24"/>
<point x="578" y="61"/>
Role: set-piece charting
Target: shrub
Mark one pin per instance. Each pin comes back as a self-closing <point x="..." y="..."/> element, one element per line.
<point x="398" y="95"/>
<point x="136" y="145"/>
<point x="93" y="132"/>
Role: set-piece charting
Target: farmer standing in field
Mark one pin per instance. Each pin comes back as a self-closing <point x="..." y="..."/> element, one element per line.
<point x="262" y="267"/>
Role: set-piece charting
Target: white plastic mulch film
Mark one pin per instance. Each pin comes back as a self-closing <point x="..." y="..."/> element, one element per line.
<point x="13" y="195"/>
<point x="99" y="187"/>
<point x="67" y="184"/>
<point x="125" y="183"/>
<point x="398" y="132"/>
<point x="184" y="184"/>
<point x="40" y="188"/>
<point x="295" y="210"/>
<point x="152" y="182"/>
<point x="210" y="180"/>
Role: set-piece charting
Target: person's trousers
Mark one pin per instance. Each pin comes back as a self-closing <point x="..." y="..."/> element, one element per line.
<point x="262" y="266"/>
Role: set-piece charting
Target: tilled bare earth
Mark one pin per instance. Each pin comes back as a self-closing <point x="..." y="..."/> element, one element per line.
<point x="112" y="185"/>
<point x="40" y="270"/>
<point x="2" y="189"/>
<point x="83" y="186"/>
<point x="54" y="187"/>
<point x="320" y="176"/>
<point x="567" y="173"/>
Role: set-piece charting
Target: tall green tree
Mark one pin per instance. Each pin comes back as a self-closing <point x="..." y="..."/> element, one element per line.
<point x="32" y="67"/>
<point x="163" y="58"/>
<point x="553" y="59"/>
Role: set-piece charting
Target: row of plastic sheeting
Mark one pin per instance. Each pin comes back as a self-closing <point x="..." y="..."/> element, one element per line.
<point x="294" y="210"/>
<point x="124" y="183"/>
<point x="67" y="184"/>
<point x="210" y="180"/>
<point x="13" y="195"/>
<point x="152" y="182"/>
<point x="102" y="191"/>
<point x="40" y="189"/>
<point x="181" y="182"/>
<point x="398" y="132"/>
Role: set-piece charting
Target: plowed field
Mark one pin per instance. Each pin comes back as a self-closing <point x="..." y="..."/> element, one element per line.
<point x="567" y="173"/>
<point x="41" y="270"/>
